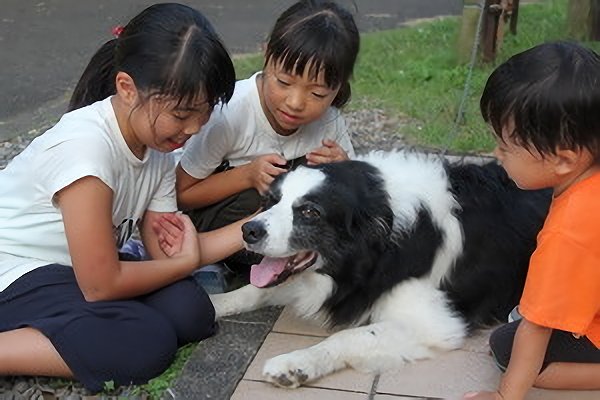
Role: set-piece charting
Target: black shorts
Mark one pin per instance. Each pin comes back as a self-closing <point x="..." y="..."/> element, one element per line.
<point x="127" y="342"/>
<point x="562" y="347"/>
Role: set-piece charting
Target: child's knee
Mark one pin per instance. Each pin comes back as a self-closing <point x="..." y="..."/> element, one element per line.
<point x="198" y="321"/>
<point x="130" y="352"/>
<point x="188" y="308"/>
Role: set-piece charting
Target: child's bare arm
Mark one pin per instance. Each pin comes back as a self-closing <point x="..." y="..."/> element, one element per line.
<point x="214" y="245"/>
<point x="330" y="151"/>
<point x="527" y="356"/>
<point x="197" y="193"/>
<point x="86" y="207"/>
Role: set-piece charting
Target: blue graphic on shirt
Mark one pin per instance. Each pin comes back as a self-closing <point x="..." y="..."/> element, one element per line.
<point x="124" y="231"/>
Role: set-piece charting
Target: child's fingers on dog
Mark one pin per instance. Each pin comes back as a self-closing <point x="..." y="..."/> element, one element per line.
<point x="169" y="227"/>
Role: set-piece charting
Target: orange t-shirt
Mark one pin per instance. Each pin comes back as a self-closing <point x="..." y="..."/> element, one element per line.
<point x="562" y="290"/>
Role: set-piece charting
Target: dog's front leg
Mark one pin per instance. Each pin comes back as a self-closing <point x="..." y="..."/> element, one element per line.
<point x="370" y="348"/>
<point x="292" y="292"/>
<point x="244" y="299"/>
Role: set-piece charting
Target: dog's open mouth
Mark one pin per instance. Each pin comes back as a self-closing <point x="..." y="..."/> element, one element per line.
<point x="271" y="270"/>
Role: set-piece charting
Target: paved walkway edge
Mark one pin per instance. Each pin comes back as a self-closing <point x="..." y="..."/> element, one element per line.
<point x="216" y="366"/>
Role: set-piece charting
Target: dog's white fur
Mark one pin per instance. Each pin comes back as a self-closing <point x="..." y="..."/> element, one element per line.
<point x="412" y="322"/>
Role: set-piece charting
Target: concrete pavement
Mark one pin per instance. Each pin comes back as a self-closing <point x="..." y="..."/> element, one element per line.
<point x="44" y="45"/>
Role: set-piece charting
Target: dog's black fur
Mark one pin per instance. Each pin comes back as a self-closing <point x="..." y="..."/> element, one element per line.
<point x="366" y="258"/>
<point x="408" y="251"/>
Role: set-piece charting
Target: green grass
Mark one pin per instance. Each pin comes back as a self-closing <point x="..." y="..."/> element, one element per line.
<point x="156" y="387"/>
<point x="414" y="71"/>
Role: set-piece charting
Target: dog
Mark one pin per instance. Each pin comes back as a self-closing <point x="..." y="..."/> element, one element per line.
<point x="402" y="253"/>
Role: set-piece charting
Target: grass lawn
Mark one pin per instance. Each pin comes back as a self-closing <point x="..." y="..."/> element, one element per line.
<point x="413" y="71"/>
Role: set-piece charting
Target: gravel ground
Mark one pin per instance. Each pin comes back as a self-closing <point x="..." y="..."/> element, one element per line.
<point x="371" y="129"/>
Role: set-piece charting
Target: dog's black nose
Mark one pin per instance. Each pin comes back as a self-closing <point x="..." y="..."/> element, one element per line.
<point x="253" y="231"/>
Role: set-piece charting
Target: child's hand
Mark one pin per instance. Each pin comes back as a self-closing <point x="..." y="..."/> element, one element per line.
<point x="329" y="152"/>
<point x="262" y="170"/>
<point x="483" y="396"/>
<point x="177" y="236"/>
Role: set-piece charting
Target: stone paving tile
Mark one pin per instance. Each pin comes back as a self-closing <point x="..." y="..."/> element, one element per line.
<point x="217" y="364"/>
<point x="447" y="376"/>
<point x="251" y="390"/>
<point x="454" y="373"/>
<point x="288" y="322"/>
<point x="229" y="366"/>
<point x="539" y="394"/>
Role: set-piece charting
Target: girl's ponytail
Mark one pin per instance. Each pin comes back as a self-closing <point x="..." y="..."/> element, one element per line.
<point x="168" y="49"/>
<point x="97" y="81"/>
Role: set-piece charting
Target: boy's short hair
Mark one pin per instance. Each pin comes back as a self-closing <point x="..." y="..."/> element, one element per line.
<point x="551" y="93"/>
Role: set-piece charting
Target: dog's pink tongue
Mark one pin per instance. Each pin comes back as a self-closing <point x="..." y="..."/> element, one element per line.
<point x="267" y="271"/>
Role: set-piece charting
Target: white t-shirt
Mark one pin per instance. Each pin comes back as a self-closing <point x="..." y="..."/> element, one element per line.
<point x="85" y="142"/>
<point x="239" y="132"/>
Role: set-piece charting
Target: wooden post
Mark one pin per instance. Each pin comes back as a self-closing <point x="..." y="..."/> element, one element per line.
<point x="595" y="20"/>
<point x="489" y="37"/>
<point x="514" y="17"/>
<point x="496" y="14"/>
<point x="468" y="28"/>
<point x="578" y="12"/>
<point x="584" y="19"/>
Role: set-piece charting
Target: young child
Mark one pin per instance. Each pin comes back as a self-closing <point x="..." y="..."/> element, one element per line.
<point x="68" y="306"/>
<point x="285" y="115"/>
<point x="543" y="105"/>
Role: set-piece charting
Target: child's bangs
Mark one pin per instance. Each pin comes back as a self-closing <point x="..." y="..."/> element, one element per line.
<point x="191" y="83"/>
<point x="297" y="52"/>
<point x="201" y="69"/>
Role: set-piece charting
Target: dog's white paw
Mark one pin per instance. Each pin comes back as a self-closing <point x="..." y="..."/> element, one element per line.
<point x="290" y="370"/>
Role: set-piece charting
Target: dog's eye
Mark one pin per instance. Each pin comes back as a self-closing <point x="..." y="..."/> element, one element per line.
<point x="311" y="213"/>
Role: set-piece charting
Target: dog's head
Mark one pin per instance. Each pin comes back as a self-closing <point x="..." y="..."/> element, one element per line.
<point x="314" y="216"/>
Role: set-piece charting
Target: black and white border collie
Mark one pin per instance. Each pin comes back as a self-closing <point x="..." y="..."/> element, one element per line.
<point x="402" y="253"/>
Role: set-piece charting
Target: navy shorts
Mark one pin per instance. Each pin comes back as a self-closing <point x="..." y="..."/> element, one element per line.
<point x="127" y="342"/>
<point x="562" y="347"/>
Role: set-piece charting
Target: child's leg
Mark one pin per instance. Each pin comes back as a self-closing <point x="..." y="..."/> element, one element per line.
<point x="121" y="341"/>
<point x="569" y="363"/>
<point x="27" y="351"/>
<point x="187" y="307"/>
<point x="574" y="376"/>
